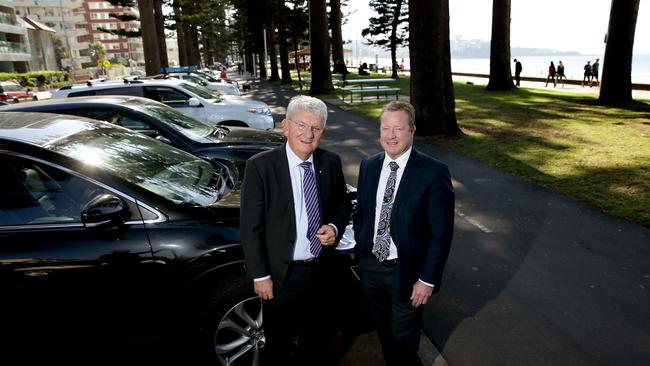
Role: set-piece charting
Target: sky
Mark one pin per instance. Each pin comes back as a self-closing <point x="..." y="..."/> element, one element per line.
<point x="565" y="25"/>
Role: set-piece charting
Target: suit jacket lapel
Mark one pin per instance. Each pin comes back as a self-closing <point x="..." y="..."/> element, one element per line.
<point x="408" y="177"/>
<point x="374" y="171"/>
<point x="322" y="177"/>
<point x="283" y="177"/>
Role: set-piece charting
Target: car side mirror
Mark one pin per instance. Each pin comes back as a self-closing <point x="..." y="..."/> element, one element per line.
<point x="193" y="102"/>
<point x="104" y="211"/>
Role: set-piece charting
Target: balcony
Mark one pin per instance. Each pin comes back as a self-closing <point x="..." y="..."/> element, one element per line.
<point x="6" y="18"/>
<point x="9" y="24"/>
<point x="13" y="51"/>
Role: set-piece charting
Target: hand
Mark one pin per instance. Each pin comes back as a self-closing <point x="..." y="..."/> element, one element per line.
<point x="421" y="293"/>
<point x="327" y="235"/>
<point x="264" y="289"/>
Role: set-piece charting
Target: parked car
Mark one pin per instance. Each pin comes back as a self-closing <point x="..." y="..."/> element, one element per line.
<point x="116" y="245"/>
<point x="189" y="98"/>
<point x="12" y="92"/>
<point x="156" y="120"/>
<point x="220" y="86"/>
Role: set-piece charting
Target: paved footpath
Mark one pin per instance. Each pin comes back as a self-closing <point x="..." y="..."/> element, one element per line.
<point x="533" y="278"/>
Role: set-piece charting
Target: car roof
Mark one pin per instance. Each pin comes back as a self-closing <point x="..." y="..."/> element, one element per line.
<point x="43" y="128"/>
<point x="121" y="100"/>
<point x="125" y="83"/>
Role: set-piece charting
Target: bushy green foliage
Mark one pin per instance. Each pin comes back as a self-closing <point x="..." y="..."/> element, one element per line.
<point x="33" y="79"/>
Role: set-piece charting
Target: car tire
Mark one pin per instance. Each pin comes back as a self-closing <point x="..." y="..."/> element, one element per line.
<point x="16" y="100"/>
<point x="35" y="98"/>
<point x="231" y="325"/>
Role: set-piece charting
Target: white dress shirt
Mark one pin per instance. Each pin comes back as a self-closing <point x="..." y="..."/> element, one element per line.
<point x="301" y="250"/>
<point x="381" y="188"/>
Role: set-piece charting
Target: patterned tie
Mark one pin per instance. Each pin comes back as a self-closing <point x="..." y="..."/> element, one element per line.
<point x="313" y="208"/>
<point x="381" y="248"/>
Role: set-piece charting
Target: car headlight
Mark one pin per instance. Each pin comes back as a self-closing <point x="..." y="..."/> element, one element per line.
<point x="263" y="110"/>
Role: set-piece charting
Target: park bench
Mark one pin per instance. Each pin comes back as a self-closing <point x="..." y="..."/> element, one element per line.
<point x="379" y="90"/>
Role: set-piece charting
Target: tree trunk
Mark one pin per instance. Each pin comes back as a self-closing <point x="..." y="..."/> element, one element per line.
<point x="194" y="57"/>
<point x="393" y="38"/>
<point x="321" y="75"/>
<point x="284" y="48"/>
<point x="180" y="34"/>
<point x="432" y="90"/>
<point x="616" y="85"/>
<point x="149" y="37"/>
<point x="337" y="37"/>
<point x="160" y="32"/>
<point x="273" y="54"/>
<point x="500" y="73"/>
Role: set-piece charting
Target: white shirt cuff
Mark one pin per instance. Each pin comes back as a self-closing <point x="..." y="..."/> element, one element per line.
<point x="262" y="278"/>
<point x="336" y="230"/>
<point x="427" y="283"/>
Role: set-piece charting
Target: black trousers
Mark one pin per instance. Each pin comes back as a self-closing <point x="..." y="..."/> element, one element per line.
<point x="398" y="322"/>
<point x="296" y="320"/>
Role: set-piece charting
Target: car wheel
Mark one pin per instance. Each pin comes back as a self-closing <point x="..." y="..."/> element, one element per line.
<point x="232" y="324"/>
<point x="35" y="98"/>
<point x="16" y="100"/>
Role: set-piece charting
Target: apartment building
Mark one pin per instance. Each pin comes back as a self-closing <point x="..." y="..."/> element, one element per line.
<point x="66" y="18"/>
<point x="14" y="49"/>
<point x="97" y="15"/>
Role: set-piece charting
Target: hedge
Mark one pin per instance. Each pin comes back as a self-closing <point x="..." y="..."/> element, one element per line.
<point x="38" y="79"/>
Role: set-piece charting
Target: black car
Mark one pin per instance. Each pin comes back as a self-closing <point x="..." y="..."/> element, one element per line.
<point x="116" y="246"/>
<point x="156" y="120"/>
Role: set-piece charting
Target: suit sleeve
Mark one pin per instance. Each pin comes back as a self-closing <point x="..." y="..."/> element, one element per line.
<point x="357" y="217"/>
<point x="341" y="210"/>
<point x="251" y="222"/>
<point x="440" y="219"/>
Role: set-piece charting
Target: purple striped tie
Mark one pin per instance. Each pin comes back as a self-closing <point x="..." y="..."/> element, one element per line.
<point x="313" y="208"/>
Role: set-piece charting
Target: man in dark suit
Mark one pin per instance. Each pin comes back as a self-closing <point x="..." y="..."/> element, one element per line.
<point x="403" y="227"/>
<point x="518" y="69"/>
<point x="293" y="213"/>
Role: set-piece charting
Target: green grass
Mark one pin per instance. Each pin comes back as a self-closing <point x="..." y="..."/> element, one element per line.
<point x="598" y="155"/>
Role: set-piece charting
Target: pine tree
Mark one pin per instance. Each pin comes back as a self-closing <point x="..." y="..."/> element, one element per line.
<point x="389" y="29"/>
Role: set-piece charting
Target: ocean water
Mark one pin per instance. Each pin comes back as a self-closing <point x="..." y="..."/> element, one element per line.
<point x="534" y="66"/>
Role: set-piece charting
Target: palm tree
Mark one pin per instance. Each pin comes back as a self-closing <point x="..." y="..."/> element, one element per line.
<point x="321" y="75"/>
<point x="432" y="90"/>
<point x="500" y="74"/>
<point x="616" y="83"/>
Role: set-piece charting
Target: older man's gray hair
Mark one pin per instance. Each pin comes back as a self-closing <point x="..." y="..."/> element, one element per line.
<point x="309" y="104"/>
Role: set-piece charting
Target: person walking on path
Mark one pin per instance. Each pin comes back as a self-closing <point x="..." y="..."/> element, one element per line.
<point x="587" y="74"/>
<point x="551" y="74"/>
<point x="403" y="228"/>
<point x="594" y="73"/>
<point x="518" y="69"/>
<point x="560" y="73"/>
<point x="293" y="213"/>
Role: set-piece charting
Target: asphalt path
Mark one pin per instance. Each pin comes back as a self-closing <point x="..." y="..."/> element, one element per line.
<point x="533" y="277"/>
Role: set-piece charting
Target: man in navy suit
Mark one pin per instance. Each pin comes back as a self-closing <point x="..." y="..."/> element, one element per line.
<point x="293" y="213"/>
<point x="403" y="228"/>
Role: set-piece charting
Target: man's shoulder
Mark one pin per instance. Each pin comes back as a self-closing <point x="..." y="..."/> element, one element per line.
<point x="325" y="155"/>
<point x="429" y="161"/>
<point x="267" y="157"/>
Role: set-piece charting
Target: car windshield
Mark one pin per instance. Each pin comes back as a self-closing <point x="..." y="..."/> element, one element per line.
<point x="207" y="76"/>
<point x="187" y="126"/>
<point x="150" y="164"/>
<point x="202" y="92"/>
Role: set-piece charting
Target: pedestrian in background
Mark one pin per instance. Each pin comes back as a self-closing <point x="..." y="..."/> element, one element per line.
<point x="551" y="74"/>
<point x="587" y="75"/>
<point x="403" y="228"/>
<point x="594" y="73"/>
<point x="560" y="72"/>
<point x="518" y="69"/>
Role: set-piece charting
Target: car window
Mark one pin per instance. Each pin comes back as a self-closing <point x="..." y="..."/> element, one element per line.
<point x="120" y="119"/>
<point x="166" y="95"/>
<point x="82" y="93"/>
<point x="135" y="91"/>
<point x="35" y="193"/>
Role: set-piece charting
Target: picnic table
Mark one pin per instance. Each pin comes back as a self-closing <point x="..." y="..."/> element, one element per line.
<point x="375" y="88"/>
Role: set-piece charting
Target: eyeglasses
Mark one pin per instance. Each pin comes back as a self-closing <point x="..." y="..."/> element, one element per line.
<point x="302" y="127"/>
